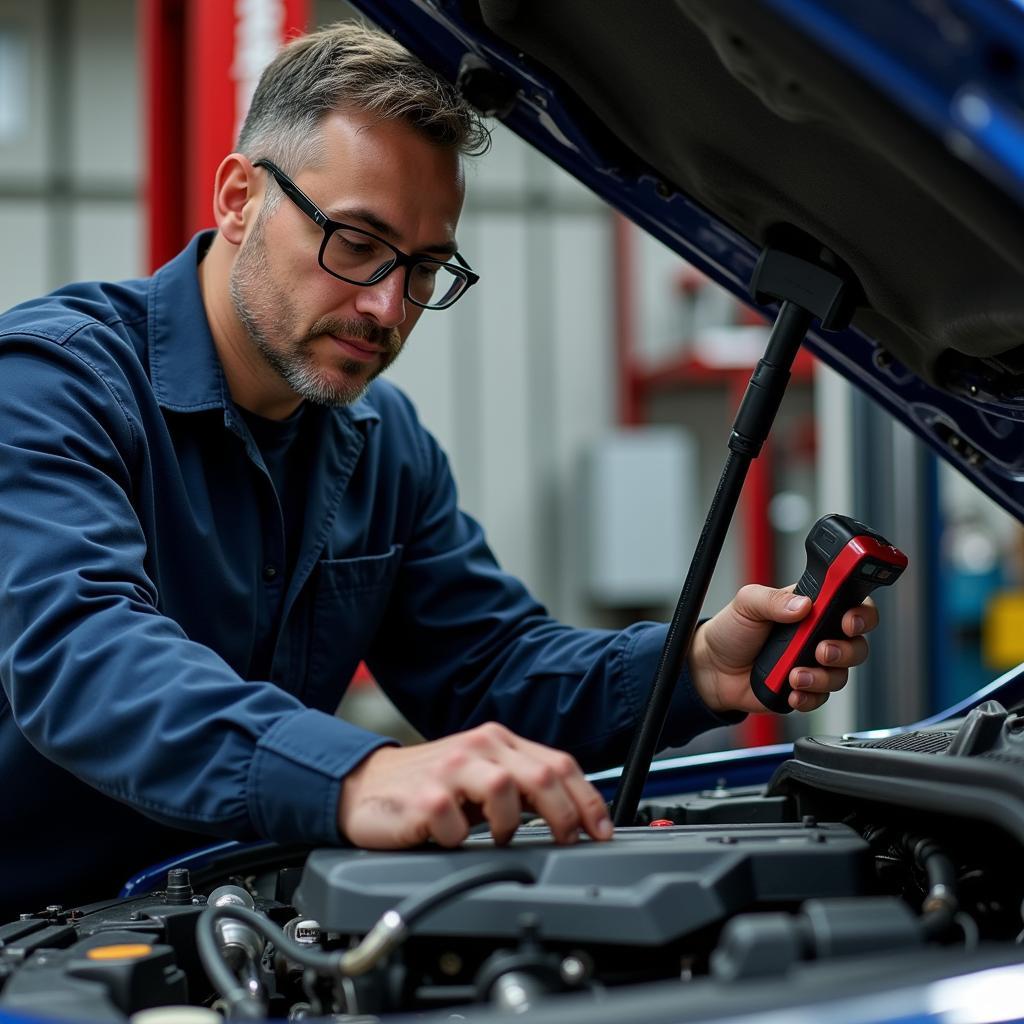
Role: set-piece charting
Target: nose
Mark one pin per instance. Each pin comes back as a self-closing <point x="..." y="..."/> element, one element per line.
<point x="385" y="300"/>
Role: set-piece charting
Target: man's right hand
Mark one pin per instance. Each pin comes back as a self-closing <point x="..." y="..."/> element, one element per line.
<point x="403" y="796"/>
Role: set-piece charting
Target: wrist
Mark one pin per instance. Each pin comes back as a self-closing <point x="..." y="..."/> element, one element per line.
<point x="703" y="675"/>
<point x="353" y="782"/>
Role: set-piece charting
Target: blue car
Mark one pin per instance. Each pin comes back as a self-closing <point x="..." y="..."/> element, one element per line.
<point x="862" y="164"/>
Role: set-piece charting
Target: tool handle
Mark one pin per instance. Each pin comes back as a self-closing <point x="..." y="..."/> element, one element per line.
<point x="793" y="644"/>
<point x="846" y="560"/>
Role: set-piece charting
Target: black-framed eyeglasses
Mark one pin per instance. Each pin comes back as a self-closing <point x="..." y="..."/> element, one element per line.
<point x="363" y="258"/>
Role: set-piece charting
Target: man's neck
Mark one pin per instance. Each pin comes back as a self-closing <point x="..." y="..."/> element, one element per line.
<point x="252" y="383"/>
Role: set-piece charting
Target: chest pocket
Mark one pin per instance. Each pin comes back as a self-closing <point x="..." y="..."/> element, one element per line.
<point x="351" y="597"/>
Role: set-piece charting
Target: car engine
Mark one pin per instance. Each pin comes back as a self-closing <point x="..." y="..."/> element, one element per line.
<point x="863" y="863"/>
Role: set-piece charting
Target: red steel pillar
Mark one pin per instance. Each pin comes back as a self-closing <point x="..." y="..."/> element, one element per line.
<point x="202" y="59"/>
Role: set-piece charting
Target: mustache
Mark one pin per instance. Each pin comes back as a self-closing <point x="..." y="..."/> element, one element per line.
<point x="386" y="338"/>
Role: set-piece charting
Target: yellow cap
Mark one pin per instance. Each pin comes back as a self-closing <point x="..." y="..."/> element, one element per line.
<point x="132" y="951"/>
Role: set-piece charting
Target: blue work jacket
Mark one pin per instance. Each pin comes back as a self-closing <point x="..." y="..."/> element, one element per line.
<point x="139" y="535"/>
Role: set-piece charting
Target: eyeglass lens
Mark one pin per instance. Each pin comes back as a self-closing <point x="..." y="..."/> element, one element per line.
<point x="363" y="259"/>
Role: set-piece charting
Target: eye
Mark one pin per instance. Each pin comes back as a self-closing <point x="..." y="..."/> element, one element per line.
<point x="355" y="243"/>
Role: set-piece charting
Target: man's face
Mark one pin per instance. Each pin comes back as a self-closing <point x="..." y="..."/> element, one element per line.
<point x="328" y="339"/>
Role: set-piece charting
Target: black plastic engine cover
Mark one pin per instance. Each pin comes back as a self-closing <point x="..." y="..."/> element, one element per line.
<point x="69" y="983"/>
<point x="647" y="887"/>
<point x="956" y="769"/>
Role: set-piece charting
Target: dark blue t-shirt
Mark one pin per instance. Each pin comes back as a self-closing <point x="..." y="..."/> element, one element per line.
<point x="286" y="460"/>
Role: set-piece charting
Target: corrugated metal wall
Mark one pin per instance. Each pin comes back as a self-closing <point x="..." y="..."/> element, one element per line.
<point x="69" y="143"/>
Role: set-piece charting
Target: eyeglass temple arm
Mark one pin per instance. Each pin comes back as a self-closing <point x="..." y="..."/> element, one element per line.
<point x="304" y="203"/>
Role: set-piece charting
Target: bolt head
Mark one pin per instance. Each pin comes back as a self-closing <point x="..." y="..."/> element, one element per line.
<point x="572" y="970"/>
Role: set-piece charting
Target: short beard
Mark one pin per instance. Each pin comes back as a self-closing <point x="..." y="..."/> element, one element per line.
<point x="258" y="303"/>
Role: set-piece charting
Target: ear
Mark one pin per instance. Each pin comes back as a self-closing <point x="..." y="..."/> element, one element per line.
<point x="237" y="196"/>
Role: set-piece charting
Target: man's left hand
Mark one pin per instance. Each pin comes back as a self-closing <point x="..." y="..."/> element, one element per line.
<point x="724" y="649"/>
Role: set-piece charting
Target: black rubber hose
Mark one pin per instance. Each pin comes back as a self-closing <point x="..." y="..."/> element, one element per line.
<point x="414" y="907"/>
<point x="939" y="869"/>
<point x="241" y="1002"/>
<point x="940" y="902"/>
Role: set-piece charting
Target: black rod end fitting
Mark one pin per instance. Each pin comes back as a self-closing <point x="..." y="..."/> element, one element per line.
<point x="826" y="293"/>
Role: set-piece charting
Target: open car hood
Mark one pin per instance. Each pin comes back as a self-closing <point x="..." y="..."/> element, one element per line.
<point x="891" y="134"/>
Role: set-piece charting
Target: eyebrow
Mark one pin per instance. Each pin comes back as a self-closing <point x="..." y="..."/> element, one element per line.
<point x="382" y="227"/>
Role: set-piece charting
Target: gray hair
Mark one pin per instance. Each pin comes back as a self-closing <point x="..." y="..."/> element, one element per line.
<point x="351" y="66"/>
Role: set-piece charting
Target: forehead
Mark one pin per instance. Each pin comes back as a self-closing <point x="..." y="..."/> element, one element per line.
<point x="389" y="168"/>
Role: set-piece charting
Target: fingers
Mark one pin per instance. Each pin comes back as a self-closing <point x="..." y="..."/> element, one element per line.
<point x="469" y="772"/>
<point x="492" y="788"/>
<point x="807" y="701"/>
<point x="766" y="604"/>
<point x="560" y="793"/>
<point x="726" y="646"/>
<point x="842" y="653"/>
<point x="862" y="619"/>
<point x="812" y="684"/>
<point x="760" y="604"/>
<point x="401" y="797"/>
<point x="817" y="679"/>
<point x="442" y="818"/>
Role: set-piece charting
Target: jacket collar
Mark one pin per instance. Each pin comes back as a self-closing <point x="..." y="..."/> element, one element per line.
<point x="184" y="368"/>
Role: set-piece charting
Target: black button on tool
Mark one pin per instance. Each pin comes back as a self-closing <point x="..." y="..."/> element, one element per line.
<point x="270" y="573"/>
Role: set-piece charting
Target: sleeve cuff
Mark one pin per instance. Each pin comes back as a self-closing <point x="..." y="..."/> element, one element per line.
<point x="296" y="774"/>
<point x="688" y="715"/>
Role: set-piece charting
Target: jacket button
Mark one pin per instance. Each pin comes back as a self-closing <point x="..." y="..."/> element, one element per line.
<point x="269" y="572"/>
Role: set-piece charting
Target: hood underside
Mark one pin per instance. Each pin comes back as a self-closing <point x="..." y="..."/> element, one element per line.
<point x="889" y="134"/>
<point x="756" y="123"/>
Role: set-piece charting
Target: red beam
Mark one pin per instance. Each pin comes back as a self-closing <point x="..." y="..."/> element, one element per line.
<point x="628" y="378"/>
<point x="199" y="56"/>
<point x="162" y="41"/>
<point x="209" y="102"/>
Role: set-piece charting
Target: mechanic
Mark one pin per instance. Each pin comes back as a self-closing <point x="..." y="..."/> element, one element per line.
<point x="209" y="516"/>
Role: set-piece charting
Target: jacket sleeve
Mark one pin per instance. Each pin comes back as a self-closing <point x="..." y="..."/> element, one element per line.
<point x="98" y="680"/>
<point x="465" y="643"/>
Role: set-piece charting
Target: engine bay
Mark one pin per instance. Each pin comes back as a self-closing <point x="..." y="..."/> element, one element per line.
<point x="887" y="858"/>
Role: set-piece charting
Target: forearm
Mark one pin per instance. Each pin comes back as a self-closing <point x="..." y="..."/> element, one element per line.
<point x="98" y="679"/>
<point x="136" y="710"/>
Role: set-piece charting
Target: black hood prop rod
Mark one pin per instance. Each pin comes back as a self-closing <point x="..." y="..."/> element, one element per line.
<point x="806" y="290"/>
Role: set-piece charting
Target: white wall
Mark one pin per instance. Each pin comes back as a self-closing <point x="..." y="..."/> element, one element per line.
<point x="70" y="156"/>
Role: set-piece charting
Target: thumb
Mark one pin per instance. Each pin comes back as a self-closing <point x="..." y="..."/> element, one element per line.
<point x="794" y="606"/>
<point x="766" y="604"/>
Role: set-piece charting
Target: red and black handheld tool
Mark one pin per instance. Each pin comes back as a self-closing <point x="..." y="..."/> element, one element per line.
<point x="845" y="562"/>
